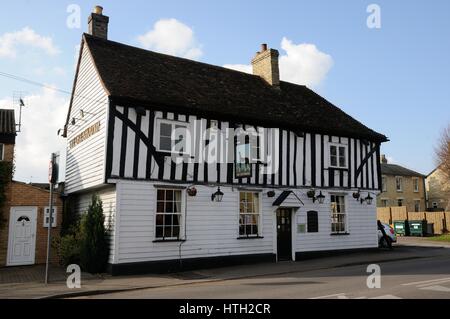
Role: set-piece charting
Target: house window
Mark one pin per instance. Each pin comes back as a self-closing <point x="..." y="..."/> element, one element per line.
<point x="249" y="214"/>
<point x="416" y="185"/>
<point x="172" y="137"/>
<point x="417" y="205"/>
<point x="312" y="221"/>
<point x="47" y="216"/>
<point x="2" y="152"/>
<point x="385" y="203"/>
<point x="338" y="214"/>
<point x="400" y="202"/>
<point x="435" y="205"/>
<point x="399" y="184"/>
<point x="384" y="183"/>
<point x="168" y="214"/>
<point x="338" y="157"/>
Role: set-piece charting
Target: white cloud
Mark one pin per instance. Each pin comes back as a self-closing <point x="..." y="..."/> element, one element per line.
<point x="58" y="71"/>
<point x="42" y="116"/>
<point x="239" y="67"/>
<point x="173" y="37"/>
<point x="10" y="41"/>
<point x="301" y="64"/>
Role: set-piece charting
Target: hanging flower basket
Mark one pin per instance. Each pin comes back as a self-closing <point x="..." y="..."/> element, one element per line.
<point x="311" y="193"/>
<point x="356" y="195"/>
<point x="192" y="191"/>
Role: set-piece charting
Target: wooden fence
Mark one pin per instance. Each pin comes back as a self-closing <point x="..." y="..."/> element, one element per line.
<point x="441" y="220"/>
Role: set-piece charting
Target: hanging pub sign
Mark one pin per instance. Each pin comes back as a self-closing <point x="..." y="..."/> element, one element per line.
<point x="243" y="167"/>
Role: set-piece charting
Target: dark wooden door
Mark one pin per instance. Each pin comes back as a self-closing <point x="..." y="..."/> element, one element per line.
<point x="284" y="234"/>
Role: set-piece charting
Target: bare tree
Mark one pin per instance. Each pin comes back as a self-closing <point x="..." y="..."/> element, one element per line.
<point x="443" y="152"/>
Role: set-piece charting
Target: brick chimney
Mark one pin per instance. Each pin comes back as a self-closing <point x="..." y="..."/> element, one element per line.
<point x="265" y="65"/>
<point x="98" y="23"/>
<point x="383" y="159"/>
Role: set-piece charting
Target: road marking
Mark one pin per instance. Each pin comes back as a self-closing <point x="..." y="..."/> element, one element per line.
<point x="425" y="282"/>
<point x="436" y="288"/>
<point x="342" y="294"/>
<point x="386" y="297"/>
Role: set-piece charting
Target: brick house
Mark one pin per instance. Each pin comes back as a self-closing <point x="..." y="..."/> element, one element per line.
<point x="438" y="191"/>
<point x="23" y="233"/>
<point x="401" y="187"/>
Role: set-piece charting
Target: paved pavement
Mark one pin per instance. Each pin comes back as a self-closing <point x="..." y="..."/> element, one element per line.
<point x="27" y="282"/>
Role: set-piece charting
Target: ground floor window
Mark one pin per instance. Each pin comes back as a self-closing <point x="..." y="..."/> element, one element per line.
<point x="312" y="221"/>
<point x="400" y="202"/>
<point x="338" y="222"/>
<point x="249" y="214"/>
<point x="385" y="203"/>
<point x="417" y="205"/>
<point x="168" y="214"/>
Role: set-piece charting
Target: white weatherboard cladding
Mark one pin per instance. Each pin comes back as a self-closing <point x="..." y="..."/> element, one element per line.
<point x="212" y="228"/>
<point x="85" y="167"/>
<point x="107" y="195"/>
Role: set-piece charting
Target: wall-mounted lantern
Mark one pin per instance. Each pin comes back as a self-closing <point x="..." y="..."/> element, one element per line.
<point x="368" y="200"/>
<point x="312" y="194"/>
<point x="217" y="196"/>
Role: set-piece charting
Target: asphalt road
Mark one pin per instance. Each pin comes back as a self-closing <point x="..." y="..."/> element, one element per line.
<point x="414" y="278"/>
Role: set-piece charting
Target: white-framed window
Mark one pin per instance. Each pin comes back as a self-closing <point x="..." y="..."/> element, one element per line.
<point x="417" y="205"/>
<point x="338" y="215"/>
<point x="399" y="202"/>
<point x="172" y="136"/>
<point x="47" y="216"/>
<point x="399" y="183"/>
<point x="416" y="184"/>
<point x="384" y="202"/>
<point x="384" y="183"/>
<point x="169" y="214"/>
<point x="249" y="214"/>
<point x="435" y="205"/>
<point x="338" y="155"/>
<point x="2" y="152"/>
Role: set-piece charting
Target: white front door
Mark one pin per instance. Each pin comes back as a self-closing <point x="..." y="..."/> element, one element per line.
<point x="22" y="236"/>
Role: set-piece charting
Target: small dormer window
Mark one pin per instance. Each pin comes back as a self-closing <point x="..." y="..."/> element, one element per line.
<point x="338" y="156"/>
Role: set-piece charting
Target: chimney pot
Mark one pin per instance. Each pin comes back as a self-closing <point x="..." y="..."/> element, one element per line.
<point x="263" y="47"/>
<point x="98" y="10"/>
<point x="384" y="159"/>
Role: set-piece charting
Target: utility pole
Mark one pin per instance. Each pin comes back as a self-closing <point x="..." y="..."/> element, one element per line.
<point x="52" y="179"/>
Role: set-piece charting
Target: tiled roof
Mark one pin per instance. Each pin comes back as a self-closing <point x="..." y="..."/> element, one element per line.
<point x="397" y="170"/>
<point x="146" y="78"/>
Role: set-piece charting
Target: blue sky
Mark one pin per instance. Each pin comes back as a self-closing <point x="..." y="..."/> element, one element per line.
<point x="394" y="79"/>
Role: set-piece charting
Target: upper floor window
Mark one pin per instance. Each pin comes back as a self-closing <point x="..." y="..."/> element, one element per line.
<point x="169" y="212"/>
<point x="338" y="219"/>
<point x="399" y="184"/>
<point x="338" y="155"/>
<point x="384" y="183"/>
<point x="172" y="136"/>
<point x="249" y="214"/>
<point x="416" y="185"/>
<point x="2" y="152"/>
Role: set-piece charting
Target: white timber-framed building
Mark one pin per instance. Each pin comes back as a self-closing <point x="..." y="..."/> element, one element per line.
<point x="168" y="210"/>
